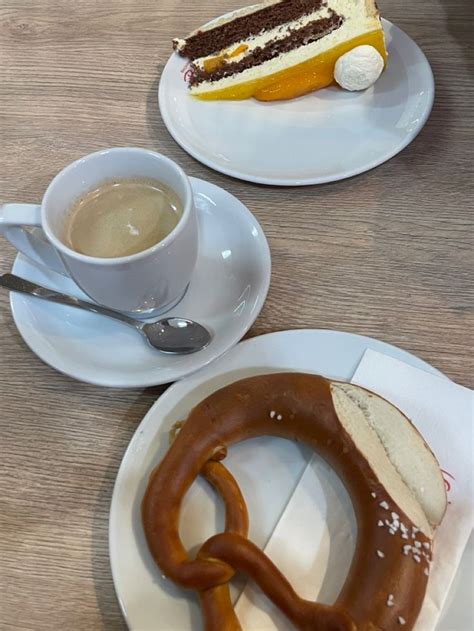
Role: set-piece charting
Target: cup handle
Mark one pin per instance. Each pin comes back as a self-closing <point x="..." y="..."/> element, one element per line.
<point x="21" y="225"/>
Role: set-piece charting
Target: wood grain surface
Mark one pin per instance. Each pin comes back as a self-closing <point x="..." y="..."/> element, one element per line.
<point x="386" y="254"/>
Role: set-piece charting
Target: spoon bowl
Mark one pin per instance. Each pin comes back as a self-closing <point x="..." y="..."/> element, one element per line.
<point x="177" y="335"/>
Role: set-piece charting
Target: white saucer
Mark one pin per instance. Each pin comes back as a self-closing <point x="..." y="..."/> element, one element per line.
<point x="226" y="293"/>
<point x="325" y="136"/>
<point x="150" y="603"/>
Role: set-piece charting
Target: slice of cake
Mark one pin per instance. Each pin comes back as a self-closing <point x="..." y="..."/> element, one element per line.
<point x="278" y="49"/>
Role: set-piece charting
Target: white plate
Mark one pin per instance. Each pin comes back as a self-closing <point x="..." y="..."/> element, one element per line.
<point x="325" y="136"/>
<point x="267" y="469"/>
<point x="226" y="293"/>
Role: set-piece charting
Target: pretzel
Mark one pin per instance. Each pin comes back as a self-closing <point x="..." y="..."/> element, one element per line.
<point x="396" y="521"/>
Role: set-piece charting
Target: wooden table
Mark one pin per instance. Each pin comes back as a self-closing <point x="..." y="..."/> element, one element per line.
<point x="386" y="254"/>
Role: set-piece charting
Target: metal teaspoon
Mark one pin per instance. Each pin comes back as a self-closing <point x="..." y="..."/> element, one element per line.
<point x="173" y="335"/>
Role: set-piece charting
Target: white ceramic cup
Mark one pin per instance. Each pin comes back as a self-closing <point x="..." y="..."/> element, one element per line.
<point x="143" y="284"/>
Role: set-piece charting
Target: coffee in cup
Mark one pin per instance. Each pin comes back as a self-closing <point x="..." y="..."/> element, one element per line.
<point x="122" y="217"/>
<point x="121" y="223"/>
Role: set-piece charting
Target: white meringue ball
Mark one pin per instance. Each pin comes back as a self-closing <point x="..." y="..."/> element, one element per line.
<point x="359" y="68"/>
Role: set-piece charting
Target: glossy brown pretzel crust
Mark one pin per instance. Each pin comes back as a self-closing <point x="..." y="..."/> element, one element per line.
<point x="386" y="584"/>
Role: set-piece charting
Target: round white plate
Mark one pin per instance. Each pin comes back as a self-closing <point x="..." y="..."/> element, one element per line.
<point x="226" y="293"/>
<point x="325" y="136"/>
<point x="267" y="469"/>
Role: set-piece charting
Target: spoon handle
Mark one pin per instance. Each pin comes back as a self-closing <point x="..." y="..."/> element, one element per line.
<point x="15" y="283"/>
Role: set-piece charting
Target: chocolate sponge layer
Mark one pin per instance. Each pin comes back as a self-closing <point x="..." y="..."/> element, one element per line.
<point x="204" y="43"/>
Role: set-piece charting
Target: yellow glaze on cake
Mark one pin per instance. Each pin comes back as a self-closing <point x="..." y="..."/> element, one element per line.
<point x="298" y="80"/>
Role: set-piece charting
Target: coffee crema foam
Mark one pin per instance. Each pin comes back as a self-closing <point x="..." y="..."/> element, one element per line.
<point x="122" y="217"/>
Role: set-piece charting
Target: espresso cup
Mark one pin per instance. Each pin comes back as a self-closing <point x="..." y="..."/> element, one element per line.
<point x="144" y="284"/>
